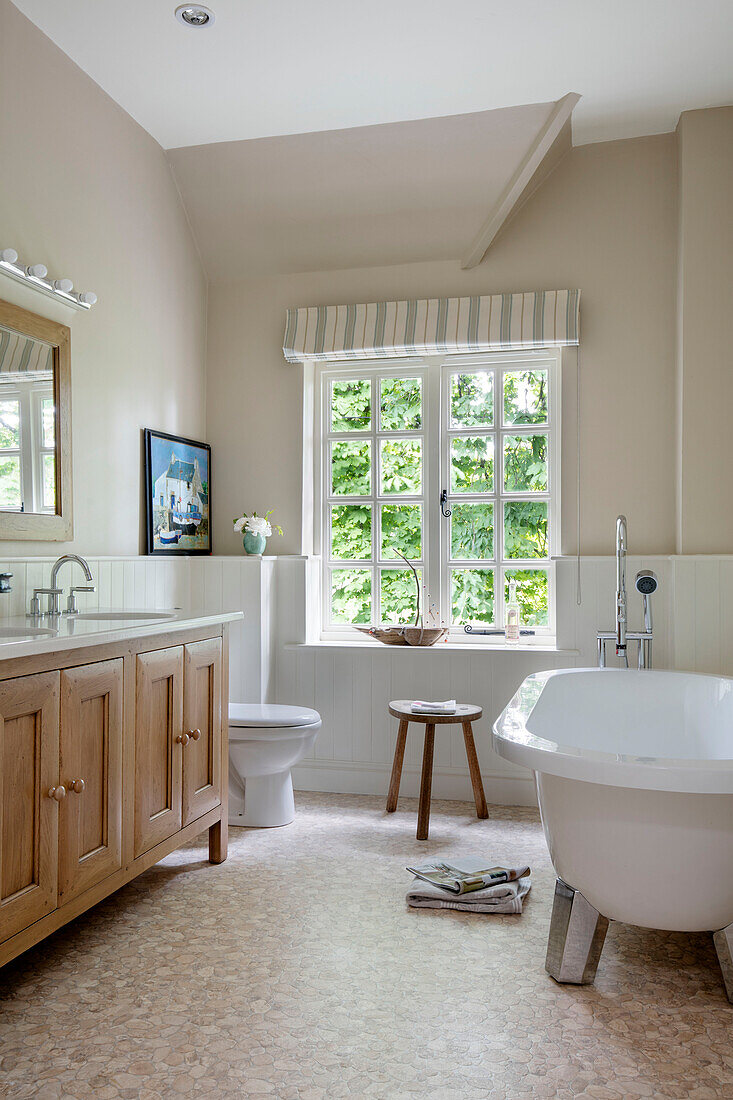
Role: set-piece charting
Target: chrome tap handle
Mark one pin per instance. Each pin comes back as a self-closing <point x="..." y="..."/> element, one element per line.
<point x="53" y="601"/>
<point x="71" y="608"/>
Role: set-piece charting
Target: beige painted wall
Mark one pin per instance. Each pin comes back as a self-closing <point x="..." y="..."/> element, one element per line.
<point x="86" y="191"/>
<point x="705" y="331"/>
<point x="604" y="221"/>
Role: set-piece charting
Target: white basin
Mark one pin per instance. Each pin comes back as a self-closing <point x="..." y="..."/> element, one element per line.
<point x="23" y="631"/>
<point x="122" y="616"/>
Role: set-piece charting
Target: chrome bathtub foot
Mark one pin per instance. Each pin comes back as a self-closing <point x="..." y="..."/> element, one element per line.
<point x="723" y="941"/>
<point x="577" y="932"/>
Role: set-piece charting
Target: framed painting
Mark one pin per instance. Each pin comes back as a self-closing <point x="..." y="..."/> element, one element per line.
<point x="177" y="494"/>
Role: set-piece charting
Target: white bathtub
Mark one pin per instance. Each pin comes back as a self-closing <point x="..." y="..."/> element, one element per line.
<point x="634" y="778"/>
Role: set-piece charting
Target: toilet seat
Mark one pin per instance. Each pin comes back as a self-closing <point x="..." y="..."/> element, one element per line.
<point x="264" y="716"/>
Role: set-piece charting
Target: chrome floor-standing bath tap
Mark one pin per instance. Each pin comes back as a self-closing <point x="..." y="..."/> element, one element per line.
<point x="621" y="535"/>
<point x="646" y="583"/>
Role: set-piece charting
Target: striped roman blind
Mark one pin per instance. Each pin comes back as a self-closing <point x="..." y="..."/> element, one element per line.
<point x="429" y="326"/>
<point x="24" y="356"/>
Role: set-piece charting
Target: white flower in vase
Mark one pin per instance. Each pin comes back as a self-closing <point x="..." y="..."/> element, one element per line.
<point x="258" y="525"/>
<point x="256" y="530"/>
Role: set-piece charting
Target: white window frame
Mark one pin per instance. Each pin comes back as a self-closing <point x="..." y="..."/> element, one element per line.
<point x="30" y="397"/>
<point x="435" y="562"/>
<point x="326" y="499"/>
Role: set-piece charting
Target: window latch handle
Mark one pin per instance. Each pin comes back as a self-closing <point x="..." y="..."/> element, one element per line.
<point x="445" y="512"/>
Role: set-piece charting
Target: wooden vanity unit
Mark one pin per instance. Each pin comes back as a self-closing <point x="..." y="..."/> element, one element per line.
<point x="113" y="752"/>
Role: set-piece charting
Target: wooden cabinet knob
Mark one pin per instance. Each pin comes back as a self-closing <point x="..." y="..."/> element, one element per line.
<point x="182" y="739"/>
<point x="77" y="785"/>
<point x="59" y="793"/>
<point x="194" y="734"/>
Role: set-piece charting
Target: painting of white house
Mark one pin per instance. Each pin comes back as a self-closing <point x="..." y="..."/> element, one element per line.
<point x="178" y="494"/>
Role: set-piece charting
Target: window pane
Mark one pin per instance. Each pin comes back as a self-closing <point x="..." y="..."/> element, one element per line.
<point x="400" y="404"/>
<point x="49" y="482"/>
<point x="10" y="483"/>
<point x="472" y="596"/>
<point x="351" y="468"/>
<point x="472" y="531"/>
<point x="532" y="595"/>
<point x="525" y="529"/>
<point x="9" y="424"/>
<point x="351" y="596"/>
<point x="401" y="466"/>
<point x="472" y="464"/>
<point x="351" y="405"/>
<point x="351" y="532"/>
<point x="399" y="595"/>
<point x="401" y="530"/>
<point x="472" y="400"/>
<point x="525" y="397"/>
<point x="48" y="421"/>
<point x="525" y="463"/>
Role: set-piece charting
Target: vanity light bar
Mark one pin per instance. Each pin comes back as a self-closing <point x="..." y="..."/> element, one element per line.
<point x="35" y="275"/>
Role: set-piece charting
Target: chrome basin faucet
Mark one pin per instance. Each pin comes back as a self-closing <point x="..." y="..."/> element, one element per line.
<point x="55" y="593"/>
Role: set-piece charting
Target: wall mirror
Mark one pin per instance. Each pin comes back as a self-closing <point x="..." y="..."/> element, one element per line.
<point x="35" y="427"/>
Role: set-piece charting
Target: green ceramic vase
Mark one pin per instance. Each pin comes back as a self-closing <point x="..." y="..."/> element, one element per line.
<point x="254" y="544"/>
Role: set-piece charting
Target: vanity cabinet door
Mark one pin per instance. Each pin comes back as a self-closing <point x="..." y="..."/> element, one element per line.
<point x="202" y="725"/>
<point x="158" y="746"/>
<point x="90" y="817"/>
<point x="29" y="813"/>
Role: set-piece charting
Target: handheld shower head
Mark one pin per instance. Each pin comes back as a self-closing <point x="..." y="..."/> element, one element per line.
<point x="646" y="582"/>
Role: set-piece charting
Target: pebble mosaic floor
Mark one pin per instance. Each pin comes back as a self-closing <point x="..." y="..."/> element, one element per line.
<point x="295" y="971"/>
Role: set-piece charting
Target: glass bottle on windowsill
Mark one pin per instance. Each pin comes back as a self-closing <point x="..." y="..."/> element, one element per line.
<point x="512" y="622"/>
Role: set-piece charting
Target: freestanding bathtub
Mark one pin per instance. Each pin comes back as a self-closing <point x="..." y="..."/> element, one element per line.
<point x="634" y="773"/>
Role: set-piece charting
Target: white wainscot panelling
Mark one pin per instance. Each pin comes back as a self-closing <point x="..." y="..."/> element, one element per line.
<point x="703" y="614"/>
<point x="351" y="688"/>
<point x="272" y="658"/>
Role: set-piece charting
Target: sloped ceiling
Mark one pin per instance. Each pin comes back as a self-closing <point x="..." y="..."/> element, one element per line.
<point x="359" y="197"/>
<point x="286" y="67"/>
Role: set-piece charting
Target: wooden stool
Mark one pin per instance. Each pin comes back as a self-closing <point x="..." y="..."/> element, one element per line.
<point x="466" y="713"/>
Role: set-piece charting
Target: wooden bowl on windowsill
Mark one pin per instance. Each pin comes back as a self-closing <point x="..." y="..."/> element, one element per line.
<point x="424" y="636"/>
<point x="405" y="635"/>
<point x="388" y="635"/>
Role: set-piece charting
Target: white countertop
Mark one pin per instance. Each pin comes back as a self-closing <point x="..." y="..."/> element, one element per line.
<point x="22" y="636"/>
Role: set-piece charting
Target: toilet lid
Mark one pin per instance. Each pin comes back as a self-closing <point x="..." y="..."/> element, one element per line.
<point x="260" y="715"/>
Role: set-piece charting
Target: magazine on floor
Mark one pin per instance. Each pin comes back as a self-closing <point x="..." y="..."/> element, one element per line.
<point x="463" y="882"/>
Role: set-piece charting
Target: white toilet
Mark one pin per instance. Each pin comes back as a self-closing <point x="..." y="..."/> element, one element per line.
<point x="265" y="741"/>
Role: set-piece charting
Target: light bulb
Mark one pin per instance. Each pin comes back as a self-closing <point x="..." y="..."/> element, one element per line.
<point x="195" y="15"/>
<point x="88" y="297"/>
<point x="8" y="255"/>
<point x="63" y="284"/>
<point x="37" y="271"/>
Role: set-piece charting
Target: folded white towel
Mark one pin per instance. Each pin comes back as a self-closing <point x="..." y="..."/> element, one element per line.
<point x="419" y="706"/>
<point x="507" y="897"/>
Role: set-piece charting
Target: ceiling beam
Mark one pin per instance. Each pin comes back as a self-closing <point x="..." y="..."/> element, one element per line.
<point x="512" y="193"/>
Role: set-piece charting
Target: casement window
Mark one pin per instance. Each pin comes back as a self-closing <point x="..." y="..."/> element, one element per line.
<point x="452" y="462"/>
<point x="27" y="448"/>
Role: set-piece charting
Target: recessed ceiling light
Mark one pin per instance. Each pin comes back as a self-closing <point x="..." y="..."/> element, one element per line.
<point x="195" y="15"/>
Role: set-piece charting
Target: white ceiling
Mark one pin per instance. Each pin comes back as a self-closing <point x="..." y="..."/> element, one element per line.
<point x="367" y="195"/>
<point x="271" y="68"/>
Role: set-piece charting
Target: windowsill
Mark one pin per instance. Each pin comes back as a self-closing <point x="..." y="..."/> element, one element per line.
<point x="453" y="647"/>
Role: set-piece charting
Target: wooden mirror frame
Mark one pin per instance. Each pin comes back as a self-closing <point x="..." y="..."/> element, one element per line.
<point x="38" y="525"/>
